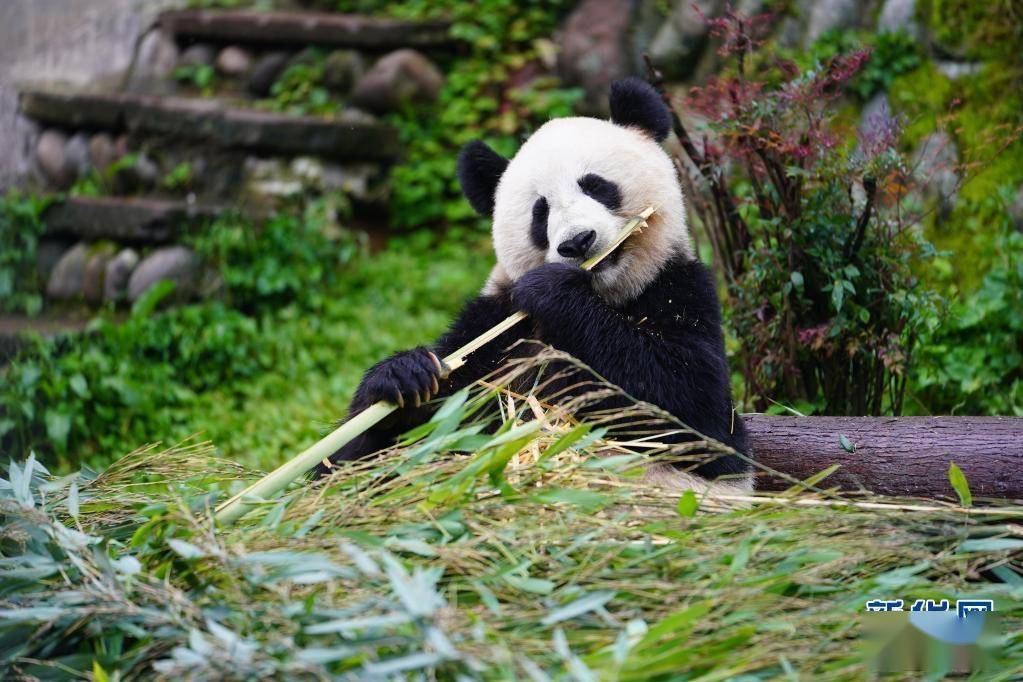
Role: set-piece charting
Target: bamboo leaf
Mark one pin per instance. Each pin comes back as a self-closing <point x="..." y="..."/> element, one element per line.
<point x="958" y="480"/>
<point x="584" y="604"/>
<point x="687" y="505"/>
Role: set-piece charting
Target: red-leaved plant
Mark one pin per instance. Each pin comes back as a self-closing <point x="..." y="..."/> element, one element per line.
<point x="808" y="227"/>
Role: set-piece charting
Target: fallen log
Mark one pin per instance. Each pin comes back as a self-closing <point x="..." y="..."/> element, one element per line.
<point x="893" y="455"/>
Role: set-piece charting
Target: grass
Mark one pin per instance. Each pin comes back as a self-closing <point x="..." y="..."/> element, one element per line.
<point x="488" y="545"/>
<point x="399" y="298"/>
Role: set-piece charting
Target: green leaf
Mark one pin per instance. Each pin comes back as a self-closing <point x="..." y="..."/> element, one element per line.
<point x="584" y="604"/>
<point x="152" y="297"/>
<point x="797" y="278"/>
<point x="837" y="294"/>
<point x="526" y="584"/>
<point x="566" y="441"/>
<point x="58" y="425"/>
<point x="990" y="545"/>
<point x="687" y="504"/>
<point x="846" y="443"/>
<point x="186" y="550"/>
<point x="958" y="480"/>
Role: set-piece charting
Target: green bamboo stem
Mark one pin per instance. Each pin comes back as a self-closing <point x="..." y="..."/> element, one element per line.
<point x="233" y="509"/>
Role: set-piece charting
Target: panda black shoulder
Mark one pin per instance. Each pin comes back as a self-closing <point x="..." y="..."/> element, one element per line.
<point x="684" y="286"/>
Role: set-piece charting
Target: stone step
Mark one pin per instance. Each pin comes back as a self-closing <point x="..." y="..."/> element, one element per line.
<point x="351" y="135"/>
<point x="304" y="28"/>
<point x="123" y="219"/>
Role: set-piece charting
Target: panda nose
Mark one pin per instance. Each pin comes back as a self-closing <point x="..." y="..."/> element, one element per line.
<point x="577" y="246"/>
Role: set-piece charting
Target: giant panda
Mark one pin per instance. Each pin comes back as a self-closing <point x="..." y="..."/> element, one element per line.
<point x="646" y="319"/>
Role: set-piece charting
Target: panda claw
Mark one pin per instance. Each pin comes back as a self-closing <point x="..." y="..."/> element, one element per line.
<point x="399" y="399"/>
<point x="442" y="368"/>
<point x="436" y="385"/>
<point x="417" y="402"/>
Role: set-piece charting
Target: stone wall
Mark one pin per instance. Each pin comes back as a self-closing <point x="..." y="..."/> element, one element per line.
<point x="79" y="42"/>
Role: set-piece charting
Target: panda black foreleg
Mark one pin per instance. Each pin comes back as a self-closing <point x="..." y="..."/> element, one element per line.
<point x="409" y="378"/>
<point x="683" y="371"/>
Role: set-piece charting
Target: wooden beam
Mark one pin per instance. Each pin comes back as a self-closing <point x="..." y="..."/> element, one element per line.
<point x="305" y="28"/>
<point x="893" y="455"/>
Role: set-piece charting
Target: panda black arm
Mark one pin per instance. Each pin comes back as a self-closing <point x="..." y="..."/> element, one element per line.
<point x="410" y="374"/>
<point x="674" y="359"/>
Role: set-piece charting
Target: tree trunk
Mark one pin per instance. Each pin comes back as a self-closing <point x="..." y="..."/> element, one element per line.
<point x="893" y="455"/>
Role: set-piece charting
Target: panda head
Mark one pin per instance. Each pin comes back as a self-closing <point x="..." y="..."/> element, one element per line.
<point x="573" y="185"/>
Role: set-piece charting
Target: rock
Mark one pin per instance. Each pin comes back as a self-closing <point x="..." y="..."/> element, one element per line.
<point x="827" y="15"/>
<point x="178" y="264"/>
<point x="76" y="152"/>
<point x="140" y="176"/>
<point x="398" y="77"/>
<point x="102" y="151"/>
<point x="899" y="15"/>
<point x="234" y="62"/>
<point x="342" y="69"/>
<point x="876" y="113"/>
<point x="955" y="70"/>
<point x="681" y="41"/>
<point x="593" y="50"/>
<point x="49" y="251"/>
<point x="122" y="145"/>
<point x="155" y="63"/>
<point x="117" y="274"/>
<point x="68" y="275"/>
<point x="936" y="163"/>
<point x="200" y="54"/>
<point x="265" y="73"/>
<point x="363" y="182"/>
<point x="52" y="159"/>
<point x="1016" y="211"/>
<point x="99" y="257"/>
<point x="269" y="180"/>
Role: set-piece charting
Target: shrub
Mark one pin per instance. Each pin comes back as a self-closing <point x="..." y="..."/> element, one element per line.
<point x="483" y="96"/>
<point x="72" y="395"/>
<point x="286" y="258"/>
<point x="973" y="362"/>
<point x="20" y="228"/>
<point x="809" y="234"/>
<point x="890" y="55"/>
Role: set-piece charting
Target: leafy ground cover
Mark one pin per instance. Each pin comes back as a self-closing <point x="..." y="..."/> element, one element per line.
<point x="538" y="554"/>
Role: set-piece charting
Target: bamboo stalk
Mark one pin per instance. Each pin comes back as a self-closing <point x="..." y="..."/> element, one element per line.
<point x="233" y="509"/>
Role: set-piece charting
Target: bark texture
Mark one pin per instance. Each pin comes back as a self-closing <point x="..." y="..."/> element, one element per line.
<point x="893" y="455"/>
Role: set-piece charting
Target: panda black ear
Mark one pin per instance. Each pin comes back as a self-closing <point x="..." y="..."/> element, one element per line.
<point x="634" y="102"/>
<point x="479" y="170"/>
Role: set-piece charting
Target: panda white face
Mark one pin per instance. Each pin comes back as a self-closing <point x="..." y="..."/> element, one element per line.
<point x="568" y="193"/>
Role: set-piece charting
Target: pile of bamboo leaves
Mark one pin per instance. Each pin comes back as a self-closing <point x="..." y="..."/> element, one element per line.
<point x="503" y="539"/>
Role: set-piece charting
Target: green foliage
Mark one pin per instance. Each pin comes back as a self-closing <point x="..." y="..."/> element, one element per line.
<point x="202" y="77"/>
<point x="63" y="397"/>
<point x="818" y="253"/>
<point x="299" y="90"/>
<point x="990" y="30"/>
<point x="262" y="371"/>
<point x="287" y="258"/>
<point x="891" y="55"/>
<point x="350" y="578"/>
<point x="480" y="98"/>
<point x="972" y="362"/>
<point x="180" y="177"/>
<point x="21" y="226"/>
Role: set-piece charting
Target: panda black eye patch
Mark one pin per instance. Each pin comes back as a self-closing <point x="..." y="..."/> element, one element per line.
<point x="538" y="228"/>
<point x="599" y="189"/>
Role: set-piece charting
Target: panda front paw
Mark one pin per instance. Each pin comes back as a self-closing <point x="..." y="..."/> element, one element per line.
<point x="549" y="287"/>
<point x="407" y="378"/>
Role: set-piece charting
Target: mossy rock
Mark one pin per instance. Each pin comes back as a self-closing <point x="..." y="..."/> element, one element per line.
<point x="967" y="29"/>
